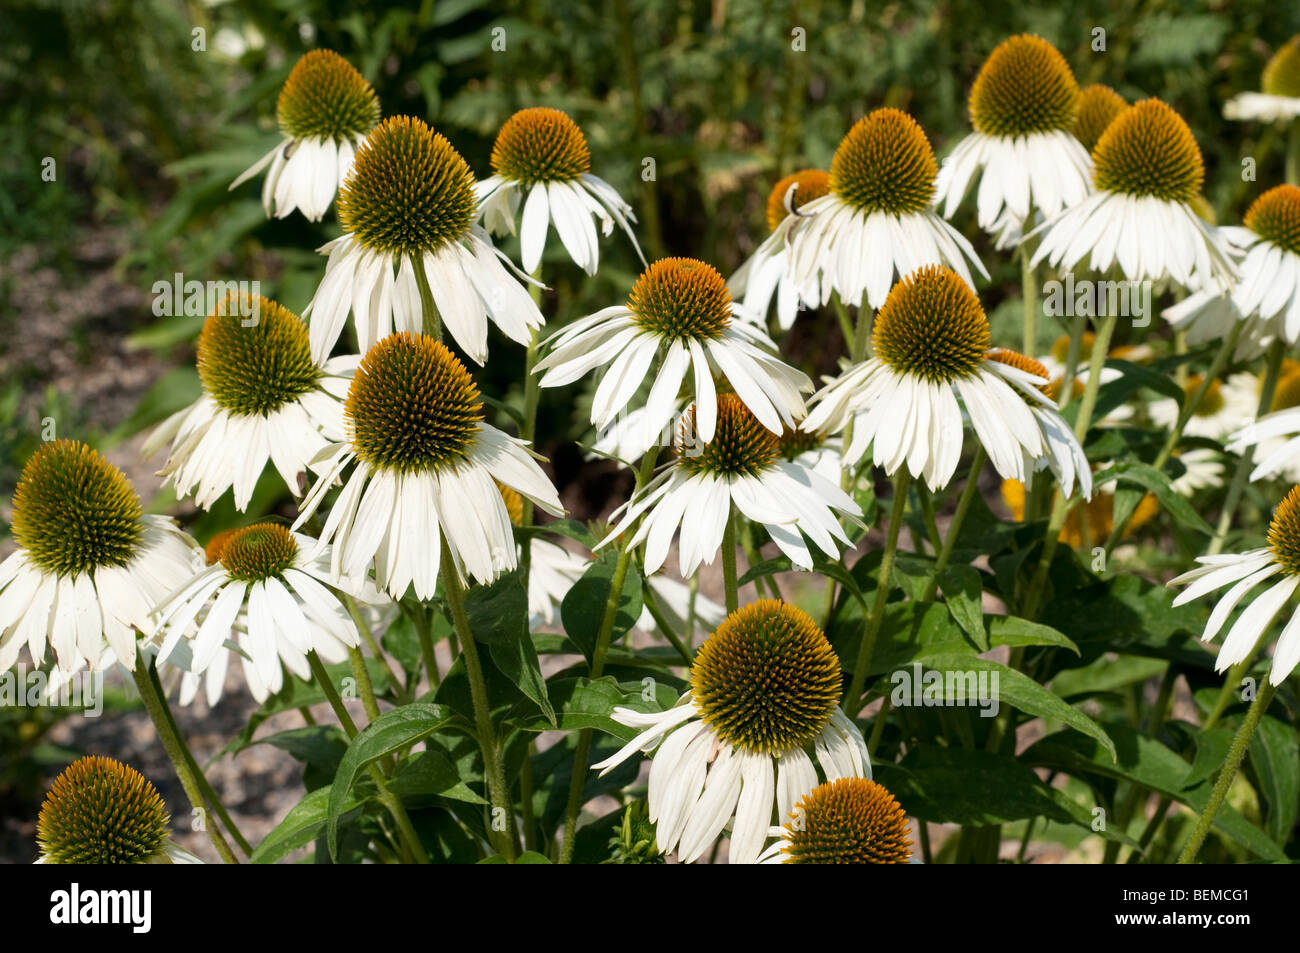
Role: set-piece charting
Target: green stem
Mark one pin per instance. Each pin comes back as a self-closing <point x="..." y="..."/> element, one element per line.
<point x="394" y="806"/>
<point x="853" y="697"/>
<point x="1240" y="744"/>
<point x="729" y="563"/>
<point x="753" y="557"/>
<point x="1276" y="353"/>
<point x="650" y="205"/>
<point x="174" y="745"/>
<point x="968" y="493"/>
<point x="526" y="798"/>
<point x="359" y="620"/>
<point x="423" y="622"/>
<point x="1078" y="325"/>
<point x="332" y="695"/>
<point x="368" y="700"/>
<point x="579" y="776"/>
<point x="494" y="767"/>
<point x="432" y="320"/>
<point x="205" y="787"/>
<point x="1149" y="832"/>
<point x="878" y="726"/>
<point x="1029" y="297"/>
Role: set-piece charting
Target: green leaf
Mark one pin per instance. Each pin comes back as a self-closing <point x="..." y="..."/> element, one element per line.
<point x="1019" y="633"/>
<point x="963" y="592"/>
<point x="498" y="612"/>
<point x="1145" y="761"/>
<point x="319" y="747"/>
<point x="1275" y="758"/>
<point x="390" y="732"/>
<point x="1148" y="477"/>
<point x="583" y="608"/>
<point x="431" y="773"/>
<point x="586" y="703"/>
<point x="1023" y="693"/>
<point x="301" y="825"/>
<point x="498" y="617"/>
<point x="1106" y="674"/>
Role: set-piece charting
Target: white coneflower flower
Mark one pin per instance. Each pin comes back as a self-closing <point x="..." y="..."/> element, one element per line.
<point x="1226" y="406"/>
<point x="100" y="811"/>
<point x="409" y="204"/>
<point x="931" y="359"/>
<point x="1246" y="571"/>
<point x="1276" y="435"/>
<point x="846" y="821"/>
<point x="1063" y="453"/>
<point x="1279" y="99"/>
<point x="540" y="158"/>
<point x="1269" y="286"/>
<point x="679" y="311"/>
<point x="877" y="220"/>
<point x="425" y="462"/>
<point x="90" y="564"/>
<point x="1148" y="172"/>
<point x="1023" y="106"/>
<point x="1202" y="468"/>
<point x="325" y="109"/>
<point x="764" y="687"/>
<point x="743" y="465"/>
<point x="270" y="585"/>
<point x="263" y="398"/>
<point x="766" y="273"/>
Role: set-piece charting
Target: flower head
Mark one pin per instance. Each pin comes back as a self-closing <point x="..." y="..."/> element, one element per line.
<point x="1023" y="152"/>
<point x="90" y="563"/>
<point x="427" y="468"/>
<point x="100" y="811"/>
<point x="1024" y="87"/>
<point x="541" y="158"/>
<point x="846" y="821"/>
<point x="741" y="464"/>
<point x="325" y="108"/>
<point x="1098" y="107"/>
<point x="793" y="192"/>
<point x="1279" y="98"/>
<point x="885" y="164"/>
<point x="765" y="687"/>
<point x="326" y="98"/>
<point x="931" y="344"/>
<point x="1141" y="220"/>
<point x="410" y="204"/>
<point x="679" y="313"/>
<point x="540" y="145"/>
<point x="409" y="192"/>
<point x="1245" y="571"/>
<point x="1148" y="150"/>
<point x="264" y="398"/>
